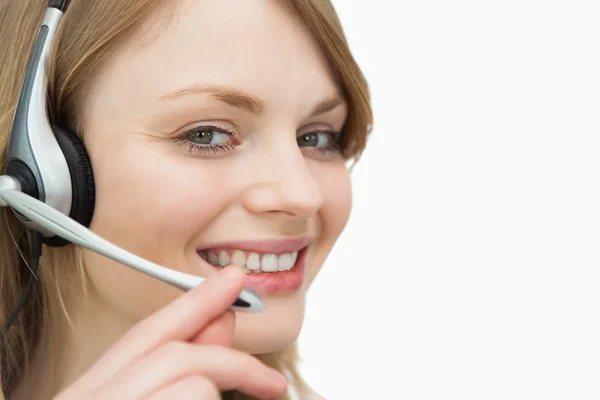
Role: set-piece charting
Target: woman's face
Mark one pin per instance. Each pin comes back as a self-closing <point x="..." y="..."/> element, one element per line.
<point x="213" y="141"/>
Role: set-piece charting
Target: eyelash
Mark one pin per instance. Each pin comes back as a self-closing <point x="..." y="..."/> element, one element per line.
<point x="208" y="150"/>
<point x="335" y="147"/>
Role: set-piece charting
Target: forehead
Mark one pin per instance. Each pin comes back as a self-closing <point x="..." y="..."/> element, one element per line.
<point x="258" y="46"/>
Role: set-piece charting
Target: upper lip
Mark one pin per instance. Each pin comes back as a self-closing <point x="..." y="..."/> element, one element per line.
<point x="264" y="246"/>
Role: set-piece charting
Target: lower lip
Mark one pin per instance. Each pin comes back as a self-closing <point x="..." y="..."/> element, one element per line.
<point x="277" y="282"/>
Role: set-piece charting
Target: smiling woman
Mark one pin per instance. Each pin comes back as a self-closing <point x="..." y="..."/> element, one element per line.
<point x="218" y="132"/>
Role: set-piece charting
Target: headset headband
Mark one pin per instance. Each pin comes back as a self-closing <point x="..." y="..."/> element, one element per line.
<point x="59" y="5"/>
<point x="50" y="164"/>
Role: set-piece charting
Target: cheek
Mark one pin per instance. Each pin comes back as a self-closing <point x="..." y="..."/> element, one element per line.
<point x="142" y="205"/>
<point x="333" y="216"/>
<point x="154" y="211"/>
<point x="338" y="201"/>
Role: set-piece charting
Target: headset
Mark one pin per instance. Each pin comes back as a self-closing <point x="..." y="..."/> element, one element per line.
<point x="50" y="163"/>
<point x="48" y="178"/>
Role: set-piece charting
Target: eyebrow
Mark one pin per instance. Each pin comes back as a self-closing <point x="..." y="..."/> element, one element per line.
<point x="327" y="105"/>
<point x="236" y="98"/>
<point x="228" y="95"/>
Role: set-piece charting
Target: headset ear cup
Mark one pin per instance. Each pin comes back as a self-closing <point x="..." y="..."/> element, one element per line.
<point x="82" y="181"/>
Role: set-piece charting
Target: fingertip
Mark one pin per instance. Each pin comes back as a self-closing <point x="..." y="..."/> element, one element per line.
<point x="272" y="385"/>
<point x="283" y="389"/>
<point x="280" y="385"/>
<point x="231" y="274"/>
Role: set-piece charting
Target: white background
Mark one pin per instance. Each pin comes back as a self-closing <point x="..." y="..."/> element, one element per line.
<point x="470" y="268"/>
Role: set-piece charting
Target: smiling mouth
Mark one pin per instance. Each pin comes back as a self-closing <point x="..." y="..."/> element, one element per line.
<point x="251" y="262"/>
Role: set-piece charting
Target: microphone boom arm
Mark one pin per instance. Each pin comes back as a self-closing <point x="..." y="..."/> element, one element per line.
<point x="60" y="224"/>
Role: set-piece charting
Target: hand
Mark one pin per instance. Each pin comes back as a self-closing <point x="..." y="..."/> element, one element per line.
<point x="183" y="351"/>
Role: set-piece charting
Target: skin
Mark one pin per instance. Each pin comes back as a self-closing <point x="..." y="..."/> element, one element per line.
<point x="161" y="201"/>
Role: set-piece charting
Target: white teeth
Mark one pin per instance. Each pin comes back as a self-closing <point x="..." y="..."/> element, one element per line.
<point x="253" y="262"/>
<point x="294" y="257"/>
<point x="269" y="263"/>
<point x="238" y="258"/>
<point x="223" y="259"/>
<point x="285" y="262"/>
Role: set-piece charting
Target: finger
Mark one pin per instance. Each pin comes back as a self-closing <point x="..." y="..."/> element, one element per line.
<point x="182" y="319"/>
<point x="228" y="369"/>
<point x="219" y="332"/>
<point x="190" y="388"/>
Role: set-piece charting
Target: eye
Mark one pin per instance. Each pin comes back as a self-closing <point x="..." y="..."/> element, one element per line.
<point x="324" y="142"/>
<point x="209" y="135"/>
<point x="207" y="140"/>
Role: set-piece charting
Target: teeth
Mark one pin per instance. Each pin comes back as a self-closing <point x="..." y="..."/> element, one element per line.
<point x="294" y="257"/>
<point x="252" y="262"/>
<point x="214" y="260"/>
<point x="238" y="258"/>
<point x="285" y="262"/>
<point x="223" y="259"/>
<point x="269" y="263"/>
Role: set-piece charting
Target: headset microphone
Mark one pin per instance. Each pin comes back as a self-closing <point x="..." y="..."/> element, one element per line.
<point x="60" y="224"/>
<point x="48" y="179"/>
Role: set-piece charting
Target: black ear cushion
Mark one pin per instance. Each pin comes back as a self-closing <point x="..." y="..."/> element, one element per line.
<point x="82" y="179"/>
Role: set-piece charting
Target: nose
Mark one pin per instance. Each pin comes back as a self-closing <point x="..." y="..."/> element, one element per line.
<point x="283" y="183"/>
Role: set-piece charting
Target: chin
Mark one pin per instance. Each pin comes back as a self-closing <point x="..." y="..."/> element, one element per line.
<point x="274" y="329"/>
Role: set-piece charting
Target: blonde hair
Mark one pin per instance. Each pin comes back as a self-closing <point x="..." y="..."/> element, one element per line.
<point x="88" y="34"/>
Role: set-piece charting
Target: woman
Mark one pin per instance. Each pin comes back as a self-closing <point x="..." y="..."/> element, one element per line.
<point x="218" y="132"/>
